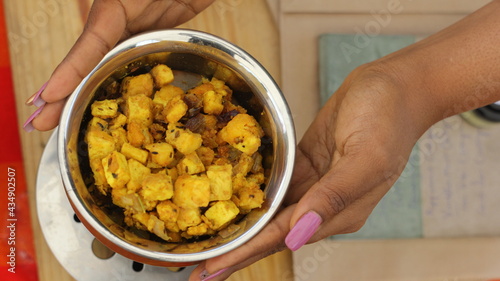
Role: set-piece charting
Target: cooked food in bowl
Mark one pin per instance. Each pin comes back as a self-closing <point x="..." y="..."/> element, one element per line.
<point x="178" y="147"/>
<point x="180" y="164"/>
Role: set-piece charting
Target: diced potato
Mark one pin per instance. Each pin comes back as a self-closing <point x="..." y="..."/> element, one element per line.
<point x="166" y="93"/>
<point x="161" y="153"/>
<point x="120" y="137"/>
<point x="206" y="155"/>
<point x="190" y="164"/>
<point x="162" y="75"/>
<point x="100" y="144"/>
<point x="221" y="214"/>
<point x="97" y="124"/>
<point x="116" y="169"/>
<point x="250" y="197"/>
<point x="212" y="102"/>
<point x="220" y="182"/>
<point x="104" y="109"/>
<point x="172" y="172"/>
<point x="184" y="140"/>
<point x="138" y="134"/>
<point x="188" y="217"/>
<point x="132" y="152"/>
<point x="167" y="211"/>
<point x="201" y="89"/>
<point x="175" y="110"/>
<point x="243" y="132"/>
<point x="137" y="174"/>
<point x="139" y="108"/>
<point x="191" y="191"/>
<point x="138" y="220"/>
<point x="157" y="187"/>
<point x="198" y="230"/>
<point x="135" y="85"/>
<point x="119" y="121"/>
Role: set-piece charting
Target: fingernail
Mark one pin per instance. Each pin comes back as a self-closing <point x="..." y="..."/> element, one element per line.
<point x="205" y="276"/>
<point x="28" y="126"/>
<point x="36" y="99"/>
<point x="303" y="230"/>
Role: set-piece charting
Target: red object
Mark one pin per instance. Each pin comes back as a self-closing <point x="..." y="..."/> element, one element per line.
<point x="17" y="252"/>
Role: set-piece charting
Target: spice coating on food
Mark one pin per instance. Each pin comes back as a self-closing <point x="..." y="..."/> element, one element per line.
<point x="180" y="164"/>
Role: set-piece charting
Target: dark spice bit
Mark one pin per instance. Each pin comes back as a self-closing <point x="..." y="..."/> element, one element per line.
<point x="154" y="152"/>
<point x="101" y="125"/>
<point x="114" y="175"/>
<point x="251" y="196"/>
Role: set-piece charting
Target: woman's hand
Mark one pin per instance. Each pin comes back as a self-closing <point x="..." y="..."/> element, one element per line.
<point x="109" y="22"/>
<point x="344" y="166"/>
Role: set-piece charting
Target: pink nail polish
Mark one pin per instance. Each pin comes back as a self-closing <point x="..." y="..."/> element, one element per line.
<point x="28" y="127"/>
<point x="303" y="230"/>
<point x="205" y="276"/>
<point x="36" y="99"/>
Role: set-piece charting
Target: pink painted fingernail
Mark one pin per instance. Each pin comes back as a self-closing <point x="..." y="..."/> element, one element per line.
<point x="28" y="127"/>
<point x="36" y="99"/>
<point x="205" y="276"/>
<point x="303" y="230"/>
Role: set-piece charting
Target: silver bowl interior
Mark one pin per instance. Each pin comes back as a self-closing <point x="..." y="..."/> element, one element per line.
<point x="191" y="51"/>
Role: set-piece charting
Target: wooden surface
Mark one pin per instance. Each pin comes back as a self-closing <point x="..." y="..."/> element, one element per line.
<point x="42" y="32"/>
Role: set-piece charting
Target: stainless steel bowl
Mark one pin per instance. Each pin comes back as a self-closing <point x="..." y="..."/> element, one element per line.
<point x="182" y="50"/>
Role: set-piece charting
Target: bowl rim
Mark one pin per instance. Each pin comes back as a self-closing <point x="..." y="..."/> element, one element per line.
<point x="242" y="58"/>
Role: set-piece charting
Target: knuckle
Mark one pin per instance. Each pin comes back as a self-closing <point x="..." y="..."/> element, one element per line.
<point x="336" y="200"/>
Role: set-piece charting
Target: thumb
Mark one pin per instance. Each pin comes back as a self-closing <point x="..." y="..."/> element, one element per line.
<point x="324" y="209"/>
<point x="100" y="34"/>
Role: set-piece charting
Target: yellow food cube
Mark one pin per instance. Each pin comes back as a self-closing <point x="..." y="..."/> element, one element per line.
<point x="139" y="108"/>
<point x="137" y="174"/>
<point x="119" y="121"/>
<point x="183" y="139"/>
<point x="198" y="230"/>
<point x="132" y="152"/>
<point x="212" y="102"/>
<point x="161" y="153"/>
<point x="157" y="187"/>
<point x="116" y="169"/>
<point x="167" y="211"/>
<point x="191" y="191"/>
<point x="188" y="217"/>
<point x="137" y="220"/>
<point x="190" y="164"/>
<point x="162" y="75"/>
<point x="220" y="182"/>
<point x="206" y="155"/>
<point x="166" y="93"/>
<point x="138" y="134"/>
<point x="176" y="108"/>
<point x="135" y="85"/>
<point x="104" y="109"/>
<point x="221" y="214"/>
<point x="243" y="133"/>
<point x="250" y="197"/>
<point x="120" y="137"/>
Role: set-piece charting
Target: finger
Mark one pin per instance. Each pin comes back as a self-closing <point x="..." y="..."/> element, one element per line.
<point x="48" y="118"/>
<point x="104" y="28"/>
<point x="267" y="242"/>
